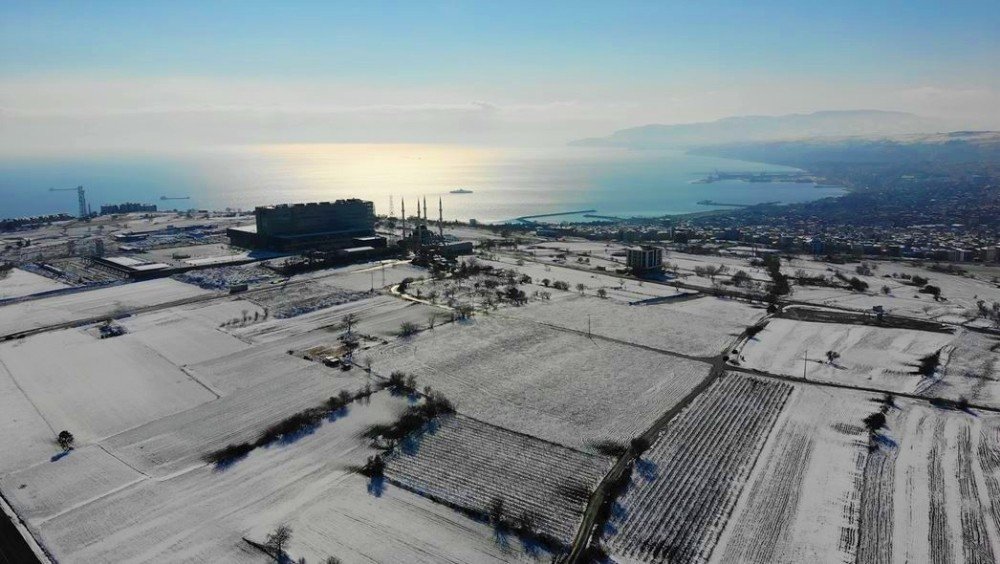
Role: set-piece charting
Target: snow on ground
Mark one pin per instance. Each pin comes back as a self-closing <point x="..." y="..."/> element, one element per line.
<point x="470" y="464"/>
<point x="800" y="504"/>
<point x="291" y="300"/>
<point x="258" y="365"/>
<point x="399" y="526"/>
<point x="961" y="292"/>
<point x="177" y="442"/>
<point x="188" y="335"/>
<point x="618" y="288"/>
<point x="224" y="277"/>
<point x="362" y="278"/>
<point x="203" y="513"/>
<point x="698" y="327"/>
<point x="192" y="253"/>
<point x="25" y="436"/>
<point x="379" y="315"/>
<point x="925" y="493"/>
<point x="971" y="369"/>
<point x="869" y="356"/>
<point x="685" y="485"/>
<point x="51" y="487"/>
<point x="549" y="383"/>
<point x="16" y="283"/>
<point x="92" y="303"/>
<point x="97" y="387"/>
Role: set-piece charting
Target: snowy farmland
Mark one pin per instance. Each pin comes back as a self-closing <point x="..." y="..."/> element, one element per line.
<point x="470" y="464"/>
<point x="692" y="475"/>
<point x="553" y="384"/>
<point x="113" y="514"/>
<point x="869" y="356"/>
<point x="925" y="492"/>
<point x="701" y="327"/>
<point x="378" y="315"/>
<point x="16" y="283"/>
<point x="97" y="387"/>
<point x="89" y="304"/>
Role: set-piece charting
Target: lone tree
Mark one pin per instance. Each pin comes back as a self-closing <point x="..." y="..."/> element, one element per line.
<point x="65" y="440"/>
<point x="350" y="320"/>
<point x="602" y="293"/>
<point x="408" y="328"/>
<point x="832" y="356"/>
<point x="580" y="287"/>
<point x="277" y="541"/>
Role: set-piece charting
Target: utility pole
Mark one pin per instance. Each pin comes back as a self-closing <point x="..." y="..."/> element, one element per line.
<point x="805" y="362"/>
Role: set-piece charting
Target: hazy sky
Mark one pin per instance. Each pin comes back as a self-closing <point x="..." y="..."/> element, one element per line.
<point x="148" y="75"/>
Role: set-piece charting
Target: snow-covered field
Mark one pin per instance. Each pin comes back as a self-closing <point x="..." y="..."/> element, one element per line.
<point x="97" y="387"/>
<point x="92" y="303"/>
<point x="284" y="301"/>
<point x="869" y="356"/>
<point x="696" y="327"/>
<point x="927" y="492"/>
<point x="961" y="292"/>
<point x="549" y="383"/>
<point x="379" y="315"/>
<point x="16" y="283"/>
<point x="684" y="487"/>
<point x="189" y="335"/>
<point x="471" y="464"/>
<point x="361" y="278"/>
<point x="618" y="289"/>
<point x="971" y="369"/>
<point x="800" y="502"/>
<point x="201" y="514"/>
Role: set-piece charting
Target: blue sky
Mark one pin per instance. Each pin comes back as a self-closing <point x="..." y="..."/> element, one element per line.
<point x="561" y="69"/>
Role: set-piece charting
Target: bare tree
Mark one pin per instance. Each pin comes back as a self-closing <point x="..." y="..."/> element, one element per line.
<point x="277" y="541"/>
<point x="350" y="320"/>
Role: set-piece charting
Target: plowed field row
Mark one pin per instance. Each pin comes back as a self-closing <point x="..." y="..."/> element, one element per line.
<point x="677" y="509"/>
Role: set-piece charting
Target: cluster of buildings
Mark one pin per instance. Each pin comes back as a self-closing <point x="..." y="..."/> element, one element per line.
<point x="127" y="207"/>
<point x="940" y="242"/>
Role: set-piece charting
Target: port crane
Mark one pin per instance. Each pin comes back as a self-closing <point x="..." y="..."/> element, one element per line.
<point x="80" y="196"/>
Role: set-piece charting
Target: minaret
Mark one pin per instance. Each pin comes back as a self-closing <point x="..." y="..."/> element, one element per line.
<point x="402" y="202"/>
<point x="417" y="233"/>
<point x="440" y="219"/>
<point x="425" y="211"/>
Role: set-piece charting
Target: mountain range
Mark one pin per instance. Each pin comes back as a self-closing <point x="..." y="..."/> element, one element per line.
<point x="767" y="128"/>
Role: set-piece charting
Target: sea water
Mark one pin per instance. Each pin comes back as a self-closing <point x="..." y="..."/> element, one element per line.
<point x="506" y="183"/>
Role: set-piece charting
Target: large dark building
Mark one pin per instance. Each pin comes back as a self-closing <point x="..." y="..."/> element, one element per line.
<point x="293" y="227"/>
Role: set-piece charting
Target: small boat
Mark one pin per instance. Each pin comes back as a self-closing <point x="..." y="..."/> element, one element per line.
<point x="461" y="191"/>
